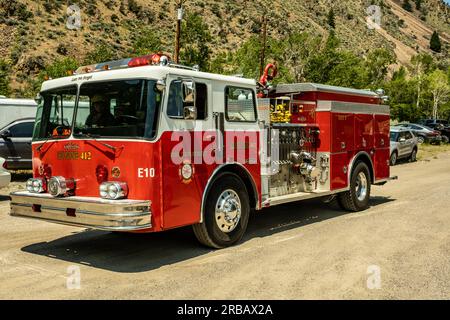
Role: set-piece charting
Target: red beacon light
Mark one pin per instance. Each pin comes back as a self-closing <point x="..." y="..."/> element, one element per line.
<point x="151" y="59"/>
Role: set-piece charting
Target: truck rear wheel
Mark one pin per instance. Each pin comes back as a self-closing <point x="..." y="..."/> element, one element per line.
<point x="226" y="213"/>
<point x="357" y="198"/>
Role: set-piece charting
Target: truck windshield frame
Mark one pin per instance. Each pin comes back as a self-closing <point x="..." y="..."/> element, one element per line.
<point x="54" y="113"/>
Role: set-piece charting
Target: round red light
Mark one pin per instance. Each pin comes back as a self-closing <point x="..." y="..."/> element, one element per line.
<point x="101" y="172"/>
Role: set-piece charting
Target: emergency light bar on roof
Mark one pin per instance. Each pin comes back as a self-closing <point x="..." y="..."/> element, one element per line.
<point x="151" y="59"/>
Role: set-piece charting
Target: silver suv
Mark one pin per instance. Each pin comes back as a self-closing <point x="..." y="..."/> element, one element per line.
<point x="404" y="144"/>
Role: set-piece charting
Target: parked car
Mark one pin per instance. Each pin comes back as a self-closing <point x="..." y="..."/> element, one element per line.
<point x="15" y="143"/>
<point x="404" y="144"/>
<point x="433" y="122"/>
<point x="439" y="125"/>
<point x="423" y="133"/>
<point x="5" y="176"/>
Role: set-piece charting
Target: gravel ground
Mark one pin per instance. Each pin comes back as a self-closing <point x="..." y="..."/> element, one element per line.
<point x="397" y="249"/>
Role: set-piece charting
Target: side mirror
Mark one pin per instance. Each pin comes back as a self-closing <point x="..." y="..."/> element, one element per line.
<point x="5" y="134"/>
<point x="190" y="111"/>
<point x="188" y="92"/>
<point x="160" y="85"/>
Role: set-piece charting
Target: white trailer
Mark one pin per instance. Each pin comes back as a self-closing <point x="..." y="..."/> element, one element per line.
<point x="13" y="109"/>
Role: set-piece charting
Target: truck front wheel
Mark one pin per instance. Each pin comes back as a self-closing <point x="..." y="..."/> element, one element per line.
<point x="357" y="198"/>
<point x="226" y="213"/>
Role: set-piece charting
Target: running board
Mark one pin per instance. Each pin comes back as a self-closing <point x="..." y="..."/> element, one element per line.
<point x="384" y="181"/>
<point x="298" y="197"/>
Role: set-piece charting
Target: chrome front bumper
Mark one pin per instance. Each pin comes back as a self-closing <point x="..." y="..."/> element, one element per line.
<point x="97" y="213"/>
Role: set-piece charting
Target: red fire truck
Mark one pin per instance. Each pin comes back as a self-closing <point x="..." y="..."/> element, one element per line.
<point x="146" y="145"/>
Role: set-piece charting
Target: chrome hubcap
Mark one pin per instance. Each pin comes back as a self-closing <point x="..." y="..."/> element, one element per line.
<point x="228" y="211"/>
<point x="361" y="186"/>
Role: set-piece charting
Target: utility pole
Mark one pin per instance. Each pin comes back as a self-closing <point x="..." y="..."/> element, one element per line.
<point x="263" y="45"/>
<point x="178" y="31"/>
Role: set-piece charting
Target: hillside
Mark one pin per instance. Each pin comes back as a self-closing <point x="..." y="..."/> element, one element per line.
<point x="33" y="33"/>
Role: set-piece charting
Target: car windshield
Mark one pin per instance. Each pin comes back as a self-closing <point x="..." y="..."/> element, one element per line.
<point x="394" y="136"/>
<point x="125" y="108"/>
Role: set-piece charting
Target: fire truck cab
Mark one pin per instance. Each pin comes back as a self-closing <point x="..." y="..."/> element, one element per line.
<point x="145" y="145"/>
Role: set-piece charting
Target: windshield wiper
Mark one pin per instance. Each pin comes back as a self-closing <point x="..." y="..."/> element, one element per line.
<point x="95" y="137"/>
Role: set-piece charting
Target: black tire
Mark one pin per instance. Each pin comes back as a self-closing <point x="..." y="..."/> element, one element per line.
<point x="445" y="140"/>
<point x="349" y="199"/>
<point x="208" y="232"/>
<point x="393" y="159"/>
<point x="413" y="155"/>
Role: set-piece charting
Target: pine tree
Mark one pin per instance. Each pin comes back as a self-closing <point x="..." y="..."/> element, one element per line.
<point x="418" y="4"/>
<point x="407" y="5"/>
<point x="4" y="78"/>
<point x="435" y="42"/>
<point x="331" y="19"/>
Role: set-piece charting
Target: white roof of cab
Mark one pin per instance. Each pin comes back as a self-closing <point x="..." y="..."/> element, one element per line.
<point x="145" y="72"/>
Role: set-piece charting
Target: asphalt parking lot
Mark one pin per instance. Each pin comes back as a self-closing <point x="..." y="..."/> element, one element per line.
<point x="397" y="249"/>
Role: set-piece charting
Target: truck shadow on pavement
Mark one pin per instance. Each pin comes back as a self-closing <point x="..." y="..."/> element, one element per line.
<point x="126" y="253"/>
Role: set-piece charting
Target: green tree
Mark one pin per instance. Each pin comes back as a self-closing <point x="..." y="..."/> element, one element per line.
<point x="349" y="71"/>
<point x="401" y="94"/>
<point x="435" y="42"/>
<point x="422" y="64"/>
<point x="146" y="42"/>
<point x="331" y="18"/>
<point x="299" y="49"/>
<point x="418" y="4"/>
<point x="440" y="89"/>
<point x="195" y="39"/>
<point x="101" y="53"/>
<point x="407" y="5"/>
<point x="60" y="68"/>
<point x="377" y="63"/>
<point x="400" y="74"/>
<point x="4" y="78"/>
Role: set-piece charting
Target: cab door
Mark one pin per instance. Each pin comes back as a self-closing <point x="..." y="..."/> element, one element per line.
<point x="240" y="126"/>
<point x="184" y="122"/>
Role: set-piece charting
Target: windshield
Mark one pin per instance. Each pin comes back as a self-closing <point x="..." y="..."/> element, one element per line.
<point x="54" y="113"/>
<point x="125" y="108"/>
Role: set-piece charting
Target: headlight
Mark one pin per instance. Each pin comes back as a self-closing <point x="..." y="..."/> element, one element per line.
<point x="36" y="185"/>
<point x="113" y="190"/>
<point x="60" y="186"/>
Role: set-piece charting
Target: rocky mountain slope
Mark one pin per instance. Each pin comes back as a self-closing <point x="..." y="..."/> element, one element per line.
<point x="33" y="33"/>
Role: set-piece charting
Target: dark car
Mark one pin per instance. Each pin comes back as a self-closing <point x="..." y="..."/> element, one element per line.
<point x="433" y="122"/>
<point x="439" y="125"/>
<point x="15" y="143"/>
<point x="423" y="133"/>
